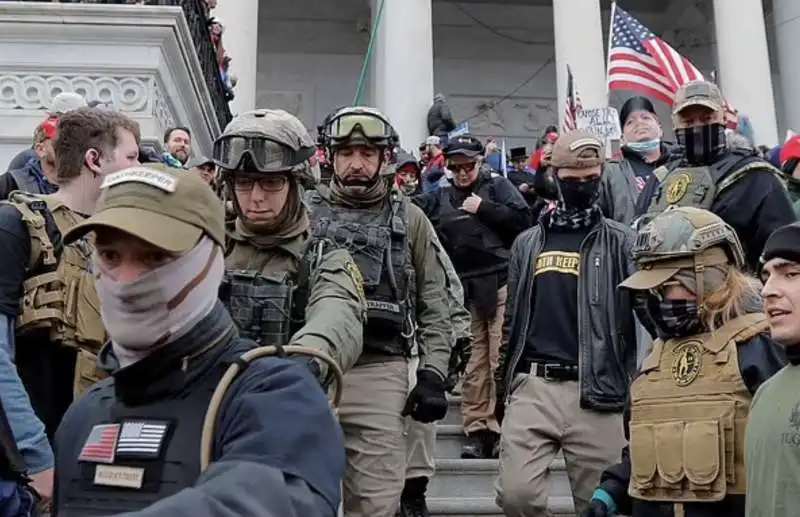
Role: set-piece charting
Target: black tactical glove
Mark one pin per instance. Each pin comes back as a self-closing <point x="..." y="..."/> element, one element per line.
<point x="459" y="357"/>
<point x="427" y="402"/>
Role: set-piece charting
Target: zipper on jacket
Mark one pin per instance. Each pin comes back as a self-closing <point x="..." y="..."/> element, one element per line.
<point x="596" y="286"/>
<point x="582" y="350"/>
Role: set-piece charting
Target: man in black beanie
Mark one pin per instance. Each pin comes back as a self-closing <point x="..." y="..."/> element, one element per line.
<point x="642" y="151"/>
<point x="772" y="454"/>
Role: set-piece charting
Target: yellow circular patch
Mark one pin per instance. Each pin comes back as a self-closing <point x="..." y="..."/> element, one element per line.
<point x="356" y="277"/>
<point x="678" y="188"/>
<point x="686" y="366"/>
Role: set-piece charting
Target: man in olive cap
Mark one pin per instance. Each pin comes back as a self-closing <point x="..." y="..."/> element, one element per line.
<point x="736" y="184"/>
<point x="571" y="347"/>
<point x="314" y="292"/>
<point x="132" y="440"/>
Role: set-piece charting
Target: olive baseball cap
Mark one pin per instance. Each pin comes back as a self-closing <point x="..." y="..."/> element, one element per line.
<point x="698" y="93"/>
<point x="168" y="208"/>
<point x="577" y="149"/>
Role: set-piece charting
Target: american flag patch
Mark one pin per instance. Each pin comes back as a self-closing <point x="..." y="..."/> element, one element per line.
<point x="99" y="446"/>
<point x="141" y="440"/>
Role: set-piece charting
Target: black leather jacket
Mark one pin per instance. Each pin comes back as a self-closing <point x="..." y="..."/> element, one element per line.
<point x="606" y="337"/>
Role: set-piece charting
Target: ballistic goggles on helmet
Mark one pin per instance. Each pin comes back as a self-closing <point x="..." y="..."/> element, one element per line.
<point x="371" y="126"/>
<point x="267" y="155"/>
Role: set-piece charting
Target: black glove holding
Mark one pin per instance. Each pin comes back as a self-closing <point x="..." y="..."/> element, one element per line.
<point x="463" y="351"/>
<point x="427" y="402"/>
<point x="596" y="508"/>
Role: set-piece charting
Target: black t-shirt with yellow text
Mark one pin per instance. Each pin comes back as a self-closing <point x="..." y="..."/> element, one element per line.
<point x="553" y="331"/>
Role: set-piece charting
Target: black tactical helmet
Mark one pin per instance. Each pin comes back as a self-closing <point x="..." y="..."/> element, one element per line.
<point x="464" y="145"/>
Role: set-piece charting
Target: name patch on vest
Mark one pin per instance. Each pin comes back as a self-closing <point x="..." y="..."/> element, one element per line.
<point x="687" y="362"/>
<point x="126" y="440"/>
<point x="115" y="475"/>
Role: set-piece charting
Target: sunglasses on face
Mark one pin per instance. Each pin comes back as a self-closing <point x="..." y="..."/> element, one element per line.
<point x="461" y="167"/>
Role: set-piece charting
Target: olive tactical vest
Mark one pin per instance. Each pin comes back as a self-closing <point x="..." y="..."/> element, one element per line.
<point x="268" y="307"/>
<point x="699" y="186"/>
<point x="377" y="239"/>
<point x="64" y="301"/>
<point x="689" y="411"/>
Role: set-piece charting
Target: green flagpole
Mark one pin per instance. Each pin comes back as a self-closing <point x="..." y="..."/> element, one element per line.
<point x="365" y="66"/>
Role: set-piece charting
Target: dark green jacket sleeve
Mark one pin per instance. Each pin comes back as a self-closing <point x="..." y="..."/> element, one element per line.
<point x="335" y="314"/>
<point x="434" y="326"/>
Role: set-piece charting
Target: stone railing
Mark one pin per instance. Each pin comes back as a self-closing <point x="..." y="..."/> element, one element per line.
<point x="197" y="19"/>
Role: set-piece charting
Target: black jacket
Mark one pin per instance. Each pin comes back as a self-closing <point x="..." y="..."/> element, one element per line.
<point x="759" y="359"/>
<point x="440" y="120"/>
<point x="607" y="336"/>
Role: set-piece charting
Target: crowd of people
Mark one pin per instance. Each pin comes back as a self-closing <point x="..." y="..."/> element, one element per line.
<point x="635" y="313"/>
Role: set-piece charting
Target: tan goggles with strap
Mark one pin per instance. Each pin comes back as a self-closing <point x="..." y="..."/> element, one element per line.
<point x="369" y="125"/>
<point x="267" y="155"/>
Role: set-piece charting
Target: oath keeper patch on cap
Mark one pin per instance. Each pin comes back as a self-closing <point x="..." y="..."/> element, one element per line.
<point x="583" y="142"/>
<point x="154" y="178"/>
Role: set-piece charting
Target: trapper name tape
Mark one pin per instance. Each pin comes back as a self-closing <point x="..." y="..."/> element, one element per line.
<point x="165" y="182"/>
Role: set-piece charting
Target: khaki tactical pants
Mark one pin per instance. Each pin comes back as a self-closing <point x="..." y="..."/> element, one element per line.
<point x="541" y="418"/>
<point x="479" y="391"/>
<point x="375" y="392"/>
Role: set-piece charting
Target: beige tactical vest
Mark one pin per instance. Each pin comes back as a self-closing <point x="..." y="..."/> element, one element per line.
<point x="688" y="416"/>
<point x="63" y="301"/>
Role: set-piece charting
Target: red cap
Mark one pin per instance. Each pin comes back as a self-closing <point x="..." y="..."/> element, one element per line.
<point x="50" y="127"/>
<point x="791" y="149"/>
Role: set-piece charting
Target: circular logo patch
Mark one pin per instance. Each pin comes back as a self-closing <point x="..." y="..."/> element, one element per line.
<point x="686" y="366"/>
<point x="678" y="188"/>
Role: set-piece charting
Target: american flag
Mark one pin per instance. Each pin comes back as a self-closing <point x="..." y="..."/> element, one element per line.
<point x="572" y="104"/>
<point x="100" y="445"/>
<point x="141" y="439"/>
<point x="639" y="60"/>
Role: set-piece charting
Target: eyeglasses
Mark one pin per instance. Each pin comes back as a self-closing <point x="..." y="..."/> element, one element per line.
<point x="266" y="155"/>
<point x="368" y="124"/>
<point x="267" y="183"/>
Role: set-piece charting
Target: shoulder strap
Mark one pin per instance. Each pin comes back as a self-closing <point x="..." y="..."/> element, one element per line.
<point x="653" y="359"/>
<point x="32" y="208"/>
<point x="739" y="330"/>
<point x="660" y="173"/>
<point x="754" y="165"/>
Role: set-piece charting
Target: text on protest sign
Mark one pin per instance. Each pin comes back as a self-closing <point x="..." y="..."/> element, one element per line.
<point x="601" y="122"/>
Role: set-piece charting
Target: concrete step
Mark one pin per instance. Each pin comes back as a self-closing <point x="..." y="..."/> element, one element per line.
<point x="453" y="416"/>
<point x="485" y="506"/>
<point x="457" y="478"/>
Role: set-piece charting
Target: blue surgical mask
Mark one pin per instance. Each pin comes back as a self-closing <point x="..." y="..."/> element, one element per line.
<point x="647" y="147"/>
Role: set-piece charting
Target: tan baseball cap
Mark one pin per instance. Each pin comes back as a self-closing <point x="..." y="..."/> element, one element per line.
<point x="698" y="93"/>
<point x="577" y="150"/>
<point x="168" y="208"/>
<point x="652" y="275"/>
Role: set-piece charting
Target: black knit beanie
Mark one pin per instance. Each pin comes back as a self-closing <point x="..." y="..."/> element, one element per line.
<point x="784" y="243"/>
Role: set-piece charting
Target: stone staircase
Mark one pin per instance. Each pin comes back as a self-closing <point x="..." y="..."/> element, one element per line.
<point x="465" y="488"/>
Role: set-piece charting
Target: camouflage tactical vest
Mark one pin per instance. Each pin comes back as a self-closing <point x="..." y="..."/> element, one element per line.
<point x="689" y="411"/>
<point x="377" y="239"/>
<point x="267" y="307"/>
<point x="63" y="302"/>
<point x="699" y="186"/>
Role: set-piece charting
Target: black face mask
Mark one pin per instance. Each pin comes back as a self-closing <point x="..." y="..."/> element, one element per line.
<point x="703" y="144"/>
<point x="577" y="193"/>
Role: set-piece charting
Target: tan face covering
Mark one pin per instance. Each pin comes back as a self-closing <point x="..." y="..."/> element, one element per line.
<point x="162" y="305"/>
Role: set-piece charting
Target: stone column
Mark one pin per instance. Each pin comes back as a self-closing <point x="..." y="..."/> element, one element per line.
<point x="579" y="43"/>
<point x="743" y="62"/>
<point x="240" y="39"/>
<point x="402" y="67"/>
<point x="787" y="28"/>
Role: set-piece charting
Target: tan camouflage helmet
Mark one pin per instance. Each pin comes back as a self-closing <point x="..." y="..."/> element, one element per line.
<point x="682" y="238"/>
<point x="275" y="141"/>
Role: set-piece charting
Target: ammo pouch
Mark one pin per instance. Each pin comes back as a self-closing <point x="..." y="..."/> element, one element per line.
<point x="690" y="458"/>
<point x="261" y="306"/>
<point x="63" y="302"/>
